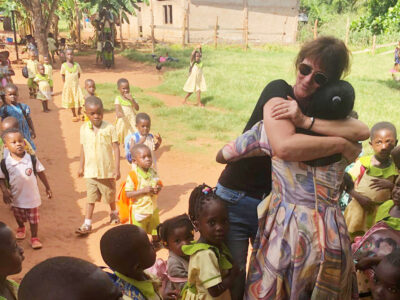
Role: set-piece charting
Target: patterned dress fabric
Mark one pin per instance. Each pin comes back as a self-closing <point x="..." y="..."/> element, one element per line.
<point x="302" y="249"/>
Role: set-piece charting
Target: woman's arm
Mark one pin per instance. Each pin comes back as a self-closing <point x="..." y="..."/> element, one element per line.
<point x="291" y="146"/>
<point x="350" y="129"/>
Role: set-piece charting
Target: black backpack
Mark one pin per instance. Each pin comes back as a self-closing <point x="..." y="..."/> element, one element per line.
<point x="7" y="175"/>
<point x="25" y="72"/>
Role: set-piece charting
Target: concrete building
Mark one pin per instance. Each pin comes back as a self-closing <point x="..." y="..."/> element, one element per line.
<point x="266" y="21"/>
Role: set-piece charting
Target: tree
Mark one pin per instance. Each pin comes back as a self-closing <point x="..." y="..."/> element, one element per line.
<point x="42" y="13"/>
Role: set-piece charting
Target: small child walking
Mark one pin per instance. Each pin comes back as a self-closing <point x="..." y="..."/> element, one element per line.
<point x="125" y="110"/>
<point x="142" y="136"/>
<point x="19" y="184"/>
<point x="127" y="251"/>
<point x="44" y="90"/>
<point x="5" y="73"/>
<point x="20" y="111"/>
<point x="90" y="90"/>
<point x="48" y="70"/>
<point x="360" y="212"/>
<point x="11" y="257"/>
<point x="31" y="65"/>
<point x="196" y="82"/>
<point x="99" y="145"/>
<point x="108" y="54"/>
<point x="142" y="187"/>
<point x="72" y="96"/>
<point x="211" y="272"/>
<point x="51" y="42"/>
<point x="175" y="233"/>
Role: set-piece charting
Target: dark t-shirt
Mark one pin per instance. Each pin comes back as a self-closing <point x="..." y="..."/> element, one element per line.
<point x="253" y="175"/>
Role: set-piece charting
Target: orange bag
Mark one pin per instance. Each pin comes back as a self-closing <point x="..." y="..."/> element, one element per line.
<point x="123" y="202"/>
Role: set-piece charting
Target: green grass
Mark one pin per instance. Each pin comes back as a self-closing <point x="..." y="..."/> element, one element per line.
<point x="236" y="78"/>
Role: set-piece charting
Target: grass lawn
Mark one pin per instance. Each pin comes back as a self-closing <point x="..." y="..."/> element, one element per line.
<point x="235" y="80"/>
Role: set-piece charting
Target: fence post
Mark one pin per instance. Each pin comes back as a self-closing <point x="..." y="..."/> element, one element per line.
<point x="216" y="34"/>
<point x="185" y="11"/>
<point x="346" y="40"/>
<point x="245" y="25"/>
<point x="315" y="29"/>
<point x="153" y="46"/>
<point x="373" y="44"/>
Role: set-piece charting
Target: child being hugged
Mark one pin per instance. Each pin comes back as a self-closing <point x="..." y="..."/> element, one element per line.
<point x="125" y="110"/>
<point x="72" y="96"/>
<point x="19" y="184"/>
<point x="31" y="65"/>
<point x="48" y="70"/>
<point x="142" y="187"/>
<point x="44" y="90"/>
<point x="20" y="111"/>
<point x="175" y="233"/>
<point x="11" y="257"/>
<point x="98" y="146"/>
<point x="360" y="213"/>
<point x="126" y="249"/>
<point x="143" y="136"/>
<point x="211" y="273"/>
<point x="196" y="82"/>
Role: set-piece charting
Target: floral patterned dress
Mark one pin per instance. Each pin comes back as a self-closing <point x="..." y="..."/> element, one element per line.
<point x="302" y="249"/>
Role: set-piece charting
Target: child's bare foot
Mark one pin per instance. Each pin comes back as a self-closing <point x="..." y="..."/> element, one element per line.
<point x="200" y="104"/>
<point x="75" y="119"/>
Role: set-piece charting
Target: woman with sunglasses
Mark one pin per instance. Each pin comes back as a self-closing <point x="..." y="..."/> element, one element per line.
<point x="302" y="249"/>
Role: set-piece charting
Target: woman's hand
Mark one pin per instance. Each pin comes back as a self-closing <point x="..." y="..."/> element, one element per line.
<point x="351" y="151"/>
<point x="381" y="184"/>
<point x="289" y="110"/>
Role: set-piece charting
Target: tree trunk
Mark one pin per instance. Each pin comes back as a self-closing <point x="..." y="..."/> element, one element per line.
<point x="120" y="32"/>
<point x="55" y="27"/>
<point x="39" y="25"/>
<point x="78" y="25"/>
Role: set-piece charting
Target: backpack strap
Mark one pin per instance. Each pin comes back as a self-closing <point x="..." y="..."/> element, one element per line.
<point x="34" y="161"/>
<point x="4" y="170"/>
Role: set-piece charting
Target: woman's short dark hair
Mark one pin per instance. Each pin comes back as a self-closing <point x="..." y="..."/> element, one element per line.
<point x="330" y="53"/>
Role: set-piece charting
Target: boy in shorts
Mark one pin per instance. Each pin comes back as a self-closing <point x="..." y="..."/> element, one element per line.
<point x="99" y="143"/>
<point x="19" y="185"/>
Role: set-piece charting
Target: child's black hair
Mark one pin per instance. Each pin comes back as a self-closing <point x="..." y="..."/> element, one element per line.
<point x="118" y="244"/>
<point x="200" y="197"/>
<point x="11" y="86"/>
<point x="383" y="125"/>
<point x="138" y="147"/>
<point x="142" y="116"/>
<point x="87" y="81"/>
<point x="93" y="101"/>
<point x="62" y="278"/>
<point x="9" y="131"/>
<point x="62" y="40"/>
<point x="394" y="258"/>
<point x="166" y="228"/>
<point x="121" y="81"/>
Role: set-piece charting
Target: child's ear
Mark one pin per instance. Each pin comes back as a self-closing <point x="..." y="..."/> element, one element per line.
<point x="196" y="225"/>
<point x="396" y="142"/>
<point x="370" y="143"/>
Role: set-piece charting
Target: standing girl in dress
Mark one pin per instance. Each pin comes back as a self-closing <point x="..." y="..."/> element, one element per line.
<point x="195" y="82"/>
<point x="125" y="107"/>
<point x="72" y="96"/>
<point x="44" y="90"/>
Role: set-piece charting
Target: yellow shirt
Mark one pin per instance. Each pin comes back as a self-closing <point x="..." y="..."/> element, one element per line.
<point x="146" y="204"/>
<point x="31" y="65"/>
<point x="48" y="70"/>
<point x="204" y="272"/>
<point x="98" y="148"/>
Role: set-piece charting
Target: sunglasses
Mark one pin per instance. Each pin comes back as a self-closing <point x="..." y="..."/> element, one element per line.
<point x="319" y="77"/>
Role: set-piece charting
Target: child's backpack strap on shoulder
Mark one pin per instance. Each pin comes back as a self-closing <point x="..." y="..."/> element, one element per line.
<point x="34" y="161"/>
<point x="4" y="170"/>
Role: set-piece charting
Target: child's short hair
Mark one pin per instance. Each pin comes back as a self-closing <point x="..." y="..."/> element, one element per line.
<point x="138" y="147"/>
<point x="353" y="114"/>
<point x="118" y="245"/>
<point x="87" y="81"/>
<point x="93" y="101"/>
<point x="5" y="133"/>
<point x="10" y="86"/>
<point x="383" y="125"/>
<point x="165" y="228"/>
<point x="121" y="81"/>
<point x="200" y="197"/>
<point x="64" y="278"/>
<point x="394" y="258"/>
<point x="9" y="122"/>
<point x="141" y="117"/>
<point x="395" y="153"/>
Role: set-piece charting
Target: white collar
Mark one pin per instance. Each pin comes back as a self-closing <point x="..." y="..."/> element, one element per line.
<point x="25" y="160"/>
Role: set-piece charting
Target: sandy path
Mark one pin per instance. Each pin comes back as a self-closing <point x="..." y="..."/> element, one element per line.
<point x="58" y="149"/>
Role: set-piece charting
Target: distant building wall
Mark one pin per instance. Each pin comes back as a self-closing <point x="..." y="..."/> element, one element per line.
<point x="268" y="20"/>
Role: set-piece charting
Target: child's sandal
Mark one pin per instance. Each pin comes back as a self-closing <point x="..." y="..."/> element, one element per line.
<point x="21" y="233"/>
<point x="35" y="243"/>
<point x="83" y="117"/>
<point x="75" y="119"/>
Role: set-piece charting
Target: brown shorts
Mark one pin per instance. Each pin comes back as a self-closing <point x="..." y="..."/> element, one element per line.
<point x="100" y="189"/>
<point x="23" y="215"/>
